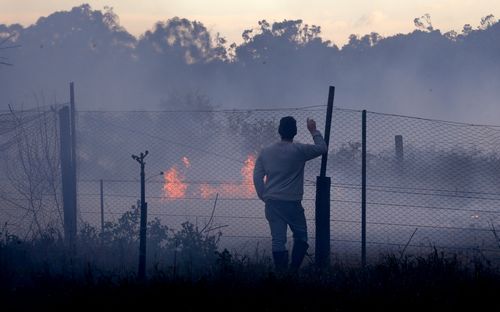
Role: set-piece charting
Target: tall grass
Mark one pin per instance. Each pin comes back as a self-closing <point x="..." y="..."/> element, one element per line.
<point x="187" y="269"/>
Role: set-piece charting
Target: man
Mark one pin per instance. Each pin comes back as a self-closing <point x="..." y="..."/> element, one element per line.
<point x="279" y="182"/>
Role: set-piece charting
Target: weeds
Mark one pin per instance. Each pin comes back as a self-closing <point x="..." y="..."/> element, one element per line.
<point x="187" y="267"/>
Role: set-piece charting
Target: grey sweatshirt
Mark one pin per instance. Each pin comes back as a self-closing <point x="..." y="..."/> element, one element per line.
<point x="282" y="165"/>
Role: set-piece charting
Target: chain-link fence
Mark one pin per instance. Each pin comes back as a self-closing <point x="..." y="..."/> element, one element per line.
<point x="429" y="184"/>
<point x="432" y="184"/>
<point x="199" y="169"/>
<point x="30" y="179"/>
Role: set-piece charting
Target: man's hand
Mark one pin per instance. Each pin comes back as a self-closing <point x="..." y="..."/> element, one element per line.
<point x="311" y="125"/>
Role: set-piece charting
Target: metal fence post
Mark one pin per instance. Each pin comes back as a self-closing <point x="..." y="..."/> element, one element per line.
<point x="323" y="183"/>
<point x="363" y="189"/>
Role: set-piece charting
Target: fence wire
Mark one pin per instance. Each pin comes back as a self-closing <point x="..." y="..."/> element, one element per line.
<point x="199" y="168"/>
<point x="431" y="185"/>
<point x="30" y="182"/>
<point x="437" y="187"/>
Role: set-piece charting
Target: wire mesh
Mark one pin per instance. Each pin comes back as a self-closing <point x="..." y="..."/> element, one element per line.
<point x="30" y="193"/>
<point x="199" y="168"/>
<point x="431" y="185"/>
<point x="437" y="188"/>
<point x="344" y="168"/>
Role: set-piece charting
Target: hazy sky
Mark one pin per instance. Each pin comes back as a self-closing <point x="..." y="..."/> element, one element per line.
<point x="338" y="19"/>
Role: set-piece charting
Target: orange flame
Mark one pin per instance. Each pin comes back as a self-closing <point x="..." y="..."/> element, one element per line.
<point x="207" y="191"/>
<point x="244" y="189"/>
<point x="174" y="187"/>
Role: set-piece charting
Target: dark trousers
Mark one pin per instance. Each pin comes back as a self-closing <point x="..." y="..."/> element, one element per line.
<point x="280" y="214"/>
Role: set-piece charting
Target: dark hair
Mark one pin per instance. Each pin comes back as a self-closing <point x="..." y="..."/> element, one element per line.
<point x="287" y="128"/>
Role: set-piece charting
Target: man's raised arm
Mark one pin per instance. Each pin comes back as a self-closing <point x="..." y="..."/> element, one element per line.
<point x="319" y="147"/>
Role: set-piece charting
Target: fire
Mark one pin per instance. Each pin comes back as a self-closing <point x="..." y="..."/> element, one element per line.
<point x="244" y="189"/>
<point x="207" y="191"/>
<point x="174" y="187"/>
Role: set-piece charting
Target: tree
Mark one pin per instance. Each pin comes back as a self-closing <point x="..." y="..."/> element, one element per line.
<point x="487" y="22"/>
<point x="31" y="167"/>
<point x="4" y="46"/>
<point x="256" y="132"/>
<point x="268" y="42"/>
<point x="467" y="29"/>
<point x="181" y="39"/>
<point x="424" y="23"/>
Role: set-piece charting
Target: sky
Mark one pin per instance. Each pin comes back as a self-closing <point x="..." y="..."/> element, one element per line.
<point x="338" y="19"/>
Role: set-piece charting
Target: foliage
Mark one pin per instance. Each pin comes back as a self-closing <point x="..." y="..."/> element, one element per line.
<point x="277" y="64"/>
<point x="115" y="249"/>
<point x="257" y="133"/>
<point x="193" y="250"/>
<point x="430" y="282"/>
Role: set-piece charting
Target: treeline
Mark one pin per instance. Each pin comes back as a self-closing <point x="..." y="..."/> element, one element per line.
<point x="451" y="75"/>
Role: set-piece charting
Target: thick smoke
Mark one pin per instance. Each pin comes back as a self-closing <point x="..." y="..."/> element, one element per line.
<point x="283" y="64"/>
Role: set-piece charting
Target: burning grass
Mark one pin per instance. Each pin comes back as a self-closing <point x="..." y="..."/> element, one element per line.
<point x="175" y="186"/>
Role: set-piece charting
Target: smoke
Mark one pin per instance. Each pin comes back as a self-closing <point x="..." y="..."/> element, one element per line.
<point x="450" y="75"/>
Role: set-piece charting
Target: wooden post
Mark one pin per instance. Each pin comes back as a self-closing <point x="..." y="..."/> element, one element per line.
<point x="102" y="205"/>
<point x="399" y="148"/>
<point x="323" y="183"/>
<point x="363" y="189"/>
<point x="73" y="151"/>
<point x="73" y="127"/>
<point x="66" y="173"/>
<point x="328" y="125"/>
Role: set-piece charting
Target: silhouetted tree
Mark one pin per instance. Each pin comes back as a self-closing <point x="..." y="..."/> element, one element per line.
<point x="278" y="64"/>
<point x="424" y="23"/>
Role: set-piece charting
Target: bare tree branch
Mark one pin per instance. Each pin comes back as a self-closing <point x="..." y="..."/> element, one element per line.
<point x="31" y="167"/>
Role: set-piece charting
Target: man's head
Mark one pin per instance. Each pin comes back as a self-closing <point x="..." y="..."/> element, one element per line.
<point x="287" y="128"/>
